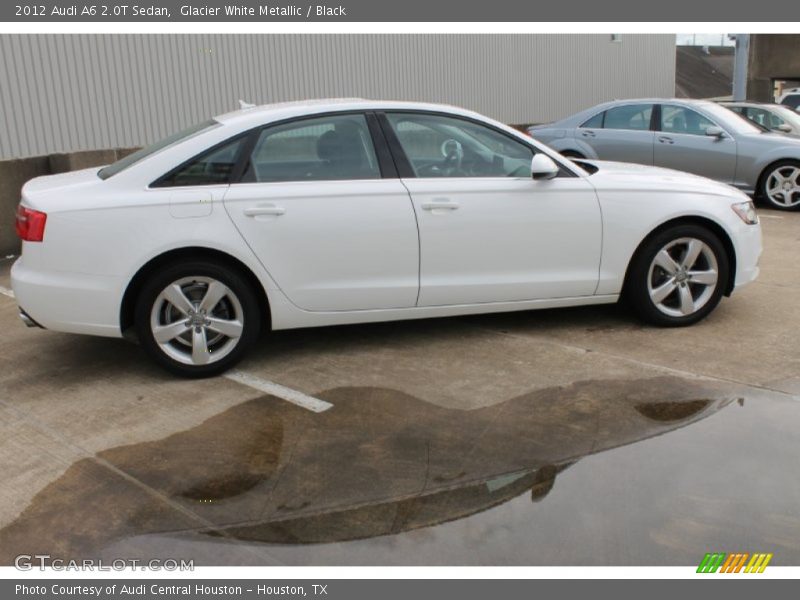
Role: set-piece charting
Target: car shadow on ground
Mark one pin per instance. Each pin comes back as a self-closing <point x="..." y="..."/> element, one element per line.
<point x="347" y="338"/>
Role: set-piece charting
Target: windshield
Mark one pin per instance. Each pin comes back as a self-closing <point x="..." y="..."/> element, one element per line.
<point x="132" y="159"/>
<point x="730" y="120"/>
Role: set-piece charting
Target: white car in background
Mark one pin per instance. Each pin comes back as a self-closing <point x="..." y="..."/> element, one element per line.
<point x="350" y="211"/>
<point x="790" y="98"/>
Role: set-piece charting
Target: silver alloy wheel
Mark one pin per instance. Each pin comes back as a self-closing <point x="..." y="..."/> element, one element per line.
<point x="783" y="186"/>
<point x="683" y="277"/>
<point x="197" y="320"/>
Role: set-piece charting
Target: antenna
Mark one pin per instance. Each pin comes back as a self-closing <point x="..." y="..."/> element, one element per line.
<point x="245" y="105"/>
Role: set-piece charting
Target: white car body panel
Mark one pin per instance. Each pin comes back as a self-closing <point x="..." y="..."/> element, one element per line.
<point x="349" y="260"/>
<point x="637" y="198"/>
<point x="339" y="245"/>
<point x="506" y="239"/>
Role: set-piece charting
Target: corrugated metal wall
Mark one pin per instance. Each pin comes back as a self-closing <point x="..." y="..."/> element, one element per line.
<point x="78" y="92"/>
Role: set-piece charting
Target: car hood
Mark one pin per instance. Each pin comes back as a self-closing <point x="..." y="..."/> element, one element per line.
<point x="41" y="186"/>
<point x="630" y="176"/>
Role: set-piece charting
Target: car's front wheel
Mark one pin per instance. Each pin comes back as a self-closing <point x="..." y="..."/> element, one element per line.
<point x="197" y="319"/>
<point x="780" y="185"/>
<point x="678" y="276"/>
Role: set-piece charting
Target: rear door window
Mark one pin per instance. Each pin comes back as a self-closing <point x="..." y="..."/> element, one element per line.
<point x="630" y="116"/>
<point x="332" y="147"/>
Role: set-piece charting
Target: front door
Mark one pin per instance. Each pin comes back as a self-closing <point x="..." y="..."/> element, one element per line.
<point x="682" y="144"/>
<point x="488" y="231"/>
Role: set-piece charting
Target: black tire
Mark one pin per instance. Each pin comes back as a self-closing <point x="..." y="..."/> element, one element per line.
<point x="643" y="274"/>
<point x="239" y="307"/>
<point x="572" y="154"/>
<point x="763" y="194"/>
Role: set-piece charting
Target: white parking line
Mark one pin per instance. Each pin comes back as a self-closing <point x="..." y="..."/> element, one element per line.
<point x="763" y="216"/>
<point x="281" y="391"/>
<point x="6" y="292"/>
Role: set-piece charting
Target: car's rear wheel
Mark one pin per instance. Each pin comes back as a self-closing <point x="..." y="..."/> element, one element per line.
<point x="678" y="276"/>
<point x="780" y="185"/>
<point x="197" y="319"/>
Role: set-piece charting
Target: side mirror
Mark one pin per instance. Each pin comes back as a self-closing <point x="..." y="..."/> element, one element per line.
<point x="543" y="167"/>
<point x="784" y="128"/>
<point x="715" y="132"/>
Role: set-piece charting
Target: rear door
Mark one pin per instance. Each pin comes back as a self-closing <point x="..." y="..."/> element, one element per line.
<point x="323" y="212"/>
<point x="682" y="144"/>
<point x="622" y="133"/>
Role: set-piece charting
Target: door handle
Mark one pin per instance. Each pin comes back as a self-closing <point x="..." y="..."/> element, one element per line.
<point x="440" y="204"/>
<point x="588" y="134"/>
<point x="665" y="140"/>
<point x="264" y="209"/>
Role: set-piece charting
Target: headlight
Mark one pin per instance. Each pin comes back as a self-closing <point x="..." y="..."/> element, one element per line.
<point x="746" y="212"/>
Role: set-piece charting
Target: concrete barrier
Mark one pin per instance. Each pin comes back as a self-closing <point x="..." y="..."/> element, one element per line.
<point x="14" y="174"/>
<point x="75" y="161"/>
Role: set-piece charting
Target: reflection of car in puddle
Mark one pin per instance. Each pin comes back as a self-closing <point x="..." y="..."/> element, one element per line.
<point x="379" y="462"/>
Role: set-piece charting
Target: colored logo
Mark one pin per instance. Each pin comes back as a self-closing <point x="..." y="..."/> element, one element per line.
<point x="734" y="563"/>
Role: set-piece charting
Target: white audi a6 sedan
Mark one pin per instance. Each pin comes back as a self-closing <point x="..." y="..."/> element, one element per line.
<point x="348" y="211"/>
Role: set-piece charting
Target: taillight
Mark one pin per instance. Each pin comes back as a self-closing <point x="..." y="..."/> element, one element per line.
<point x="30" y="224"/>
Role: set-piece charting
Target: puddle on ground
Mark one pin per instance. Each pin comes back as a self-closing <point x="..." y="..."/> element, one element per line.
<point x="650" y="471"/>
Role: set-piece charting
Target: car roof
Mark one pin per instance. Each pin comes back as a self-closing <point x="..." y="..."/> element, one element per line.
<point x="282" y="110"/>
<point x="750" y="103"/>
<point x="657" y="101"/>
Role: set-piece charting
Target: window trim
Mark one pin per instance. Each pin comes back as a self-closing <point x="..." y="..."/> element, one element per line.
<point x="404" y="167"/>
<point x="386" y="164"/>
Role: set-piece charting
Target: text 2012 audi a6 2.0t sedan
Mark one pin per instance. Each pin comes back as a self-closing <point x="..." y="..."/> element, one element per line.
<point x="334" y="212"/>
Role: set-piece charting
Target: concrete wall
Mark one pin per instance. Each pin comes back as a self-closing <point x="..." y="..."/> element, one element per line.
<point x="772" y="56"/>
<point x="62" y="93"/>
<point x="14" y="173"/>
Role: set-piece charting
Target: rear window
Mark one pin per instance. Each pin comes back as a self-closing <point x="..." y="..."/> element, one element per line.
<point x="629" y="117"/>
<point x="596" y="122"/>
<point x="132" y="159"/>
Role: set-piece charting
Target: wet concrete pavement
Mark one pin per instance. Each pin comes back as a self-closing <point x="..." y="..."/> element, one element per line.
<point x="573" y="436"/>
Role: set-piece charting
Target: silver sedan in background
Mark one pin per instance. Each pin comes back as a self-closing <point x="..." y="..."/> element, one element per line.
<point x="695" y="136"/>
<point x="774" y="117"/>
